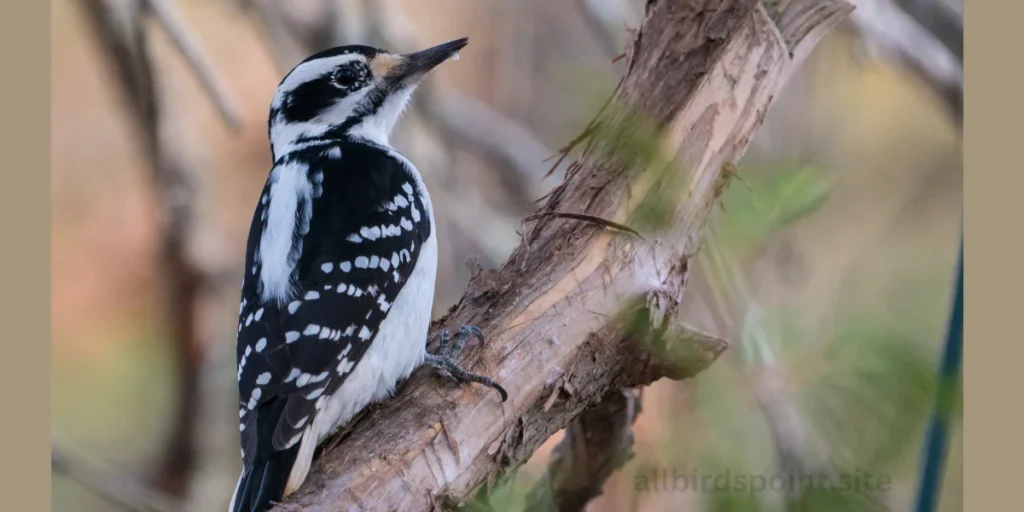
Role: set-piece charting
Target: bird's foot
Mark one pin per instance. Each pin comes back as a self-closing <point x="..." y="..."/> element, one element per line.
<point x="444" y="361"/>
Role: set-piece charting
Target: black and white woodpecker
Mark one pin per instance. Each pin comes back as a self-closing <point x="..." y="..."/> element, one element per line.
<point x="340" y="265"/>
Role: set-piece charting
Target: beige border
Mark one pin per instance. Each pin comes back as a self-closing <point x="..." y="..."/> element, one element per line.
<point x="993" y="306"/>
<point x="993" y="185"/>
<point x="25" y="222"/>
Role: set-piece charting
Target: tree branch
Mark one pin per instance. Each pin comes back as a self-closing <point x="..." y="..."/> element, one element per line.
<point x="898" y="37"/>
<point x="596" y="444"/>
<point x="576" y="306"/>
<point x="942" y="18"/>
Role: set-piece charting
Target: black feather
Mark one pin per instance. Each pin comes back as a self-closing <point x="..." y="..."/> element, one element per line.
<point x="263" y="481"/>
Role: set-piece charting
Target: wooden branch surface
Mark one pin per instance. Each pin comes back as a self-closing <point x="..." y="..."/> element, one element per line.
<point x="705" y="73"/>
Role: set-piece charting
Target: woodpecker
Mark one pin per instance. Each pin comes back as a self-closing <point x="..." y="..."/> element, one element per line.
<point x="340" y="265"/>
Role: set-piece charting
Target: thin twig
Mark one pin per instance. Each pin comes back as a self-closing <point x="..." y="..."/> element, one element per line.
<point x="276" y="32"/>
<point x="485" y="131"/>
<point x="896" y="36"/>
<point x="187" y="42"/>
<point x="587" y="218"/>
<point x="943" y="18"/>
<point x="119" y="489"/>
<point x="504" y="142"/>
<point x="564" y="151"/>
<point x="594" y="123"/>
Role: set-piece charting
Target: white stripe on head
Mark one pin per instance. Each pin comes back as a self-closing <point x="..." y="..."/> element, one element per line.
<point x="376" y="127"/>
<point x="311" y="70"/>
<point x="283" y="134"/>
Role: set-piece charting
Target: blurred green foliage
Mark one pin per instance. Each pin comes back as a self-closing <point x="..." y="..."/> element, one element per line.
<point x="861" y="395"/>
<point x="759" y="205"/>
<point x="113" y="403"/>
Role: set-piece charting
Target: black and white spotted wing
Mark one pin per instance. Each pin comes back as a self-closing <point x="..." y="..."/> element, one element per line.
<point x="359" y="227"/>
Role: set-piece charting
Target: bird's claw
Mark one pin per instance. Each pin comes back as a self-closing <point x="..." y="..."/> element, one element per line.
<point x="444" y="361"/>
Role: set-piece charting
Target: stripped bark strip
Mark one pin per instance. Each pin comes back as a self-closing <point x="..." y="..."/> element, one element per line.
<point x="587" y="218"/>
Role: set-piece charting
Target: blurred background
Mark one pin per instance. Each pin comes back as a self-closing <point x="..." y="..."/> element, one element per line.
<point x="830" y="266"/>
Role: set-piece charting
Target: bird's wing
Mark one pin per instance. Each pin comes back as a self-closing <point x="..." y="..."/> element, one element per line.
<point x="367" y="225"/>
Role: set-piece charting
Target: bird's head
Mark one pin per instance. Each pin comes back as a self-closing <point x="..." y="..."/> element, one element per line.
<point x="349" y="91"/>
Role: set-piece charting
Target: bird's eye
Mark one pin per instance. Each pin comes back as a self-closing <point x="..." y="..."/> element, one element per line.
<point x="347" y="76"/>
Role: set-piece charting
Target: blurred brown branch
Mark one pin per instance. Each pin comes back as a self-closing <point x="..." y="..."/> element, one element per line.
<point x="577" y="312"/>
<point x="596" y="444"/>
<point x="943" y="18"/>
<point x="120" y="28"/>
<point x="896" y="36"/>
<point x="187" y="42"/>
<point x="509" y="145"/>
<point x="119" y="489"/>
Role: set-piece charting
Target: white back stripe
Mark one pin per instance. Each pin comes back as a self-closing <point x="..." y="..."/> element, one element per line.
<point x="277" y="257"/>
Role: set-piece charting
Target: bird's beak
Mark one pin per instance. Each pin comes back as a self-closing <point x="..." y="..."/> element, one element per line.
<point x="409" y="68"/>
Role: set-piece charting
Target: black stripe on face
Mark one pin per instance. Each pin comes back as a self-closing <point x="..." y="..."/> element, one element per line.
<point x="369" y="106"/>
<point x="309" y="99"/>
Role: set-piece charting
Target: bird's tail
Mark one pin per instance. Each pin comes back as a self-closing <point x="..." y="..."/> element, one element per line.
<point x="262" y="485"/>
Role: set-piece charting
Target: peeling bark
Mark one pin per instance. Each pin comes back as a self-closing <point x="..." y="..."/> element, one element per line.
<point x="578" y="311"/>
